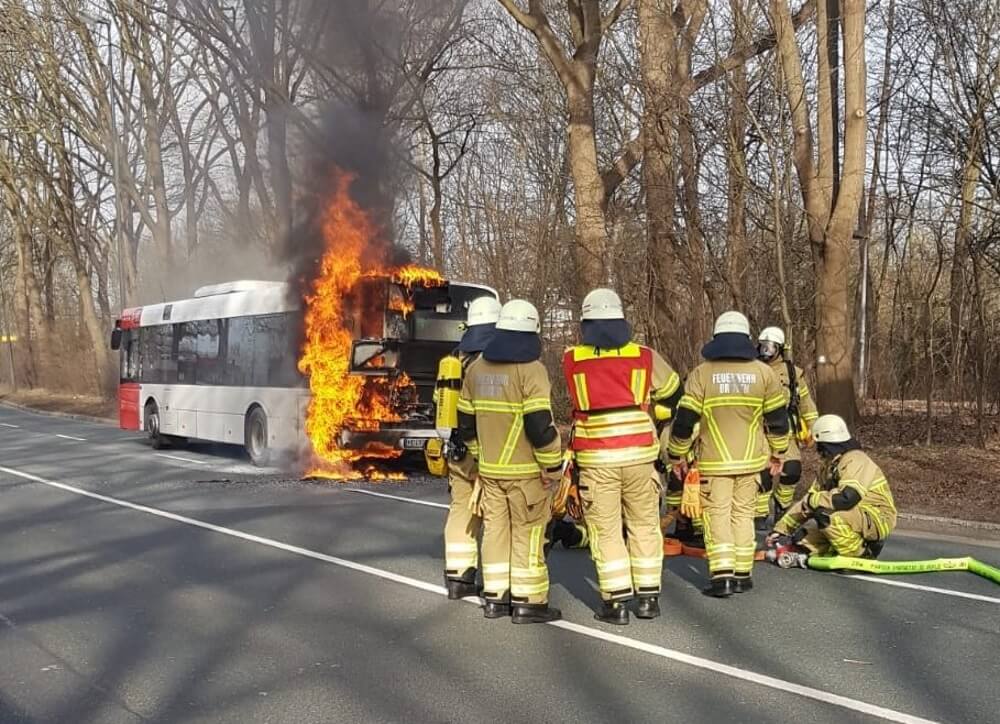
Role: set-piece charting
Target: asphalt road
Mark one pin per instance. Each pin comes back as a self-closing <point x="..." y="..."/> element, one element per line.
<point x="188" y="586"/>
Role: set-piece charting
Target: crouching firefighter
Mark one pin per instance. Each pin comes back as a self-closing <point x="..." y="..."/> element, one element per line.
<point x="850" y="499"/>
<point x="505" y="420"/>
<point x="462" y="527"/>
<point x="802" y="414"/>
<point x="744" y="428"/>
<point x="612" y="381"/>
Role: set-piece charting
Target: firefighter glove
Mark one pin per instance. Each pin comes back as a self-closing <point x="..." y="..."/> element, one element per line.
<point x="691" y="495"/>
<point x="476" y="499"/>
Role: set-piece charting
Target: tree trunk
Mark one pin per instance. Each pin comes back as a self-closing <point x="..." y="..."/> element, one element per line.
<point x="959" y="276"/>
<point x="737" y="249"/>
<point x="277" y="155"/>
<point x="591" y="247"/>
<point x="656" y="36"/>
<point x="437" y="233"/>
<point x="834" y="342"/>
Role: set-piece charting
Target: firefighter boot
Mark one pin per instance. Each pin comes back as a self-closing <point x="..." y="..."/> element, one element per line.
<point x="742" y="584"/>
<point x="464" y="586"/>
<point x="648" y="607"/>
<point x="534" y="613"/>
<point x="613" y="612"/>
<point x="496" y="609"/>
<point x="721" y="587"/>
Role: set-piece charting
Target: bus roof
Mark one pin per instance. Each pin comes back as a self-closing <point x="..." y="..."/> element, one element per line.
<point x="230" y="299"/>
<point x="239" y="300"/>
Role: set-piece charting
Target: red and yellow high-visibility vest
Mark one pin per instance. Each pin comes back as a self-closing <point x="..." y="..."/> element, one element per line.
<point x="610" y="393"/>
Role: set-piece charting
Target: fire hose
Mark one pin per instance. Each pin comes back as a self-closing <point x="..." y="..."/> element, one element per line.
<point x="868" y="565"/>
<point x="787" y="553"/>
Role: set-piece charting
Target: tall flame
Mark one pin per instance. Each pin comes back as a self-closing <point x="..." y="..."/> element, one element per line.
<point x="354" y="250"/>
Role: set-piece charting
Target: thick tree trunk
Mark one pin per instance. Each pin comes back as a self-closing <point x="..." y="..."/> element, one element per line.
<point x="834" y="340"/>
<point x="656" y="38"/>
<point x="92" y="324"/>
<point x="591" y="247"/>
<point x="696" y="325"/>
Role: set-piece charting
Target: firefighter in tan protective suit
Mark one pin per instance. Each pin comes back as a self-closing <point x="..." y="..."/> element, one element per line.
<point x="612" y="381"/>
<point x="462" y="527"/>
<point x="505" y="419"/>
<point x="850" y="499"/>
<point x="802" y="413"/>
<point x="740" y="405"/>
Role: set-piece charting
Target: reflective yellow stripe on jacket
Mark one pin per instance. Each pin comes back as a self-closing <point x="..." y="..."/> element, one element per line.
<point x="502" y="467"/>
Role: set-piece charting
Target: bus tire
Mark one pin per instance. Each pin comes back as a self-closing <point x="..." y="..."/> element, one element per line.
<point x="255" y="437"/>
<point x="151" y="424"/>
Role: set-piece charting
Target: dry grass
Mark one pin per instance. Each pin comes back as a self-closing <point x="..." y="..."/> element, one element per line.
<point x="90" y="405"/>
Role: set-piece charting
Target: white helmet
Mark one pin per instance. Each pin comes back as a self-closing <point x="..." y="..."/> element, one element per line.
<point x="519" y="315"/>
<point x="830" y="428"/>
<point x="731" y="322"/>
<point x="602" y="304"/>
<point x="483" y="310"/>
<point x="772" y="334"/>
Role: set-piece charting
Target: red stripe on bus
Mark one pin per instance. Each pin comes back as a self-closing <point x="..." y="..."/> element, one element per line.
<point x="128" y="406"/>
<point x="130" y="318"/>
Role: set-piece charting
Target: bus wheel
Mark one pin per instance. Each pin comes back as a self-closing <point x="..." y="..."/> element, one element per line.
<point x="256" y="437"/>
<point x="151" y="424"/>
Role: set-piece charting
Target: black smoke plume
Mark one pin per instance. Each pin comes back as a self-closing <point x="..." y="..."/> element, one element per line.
<point x="355" y="135"/>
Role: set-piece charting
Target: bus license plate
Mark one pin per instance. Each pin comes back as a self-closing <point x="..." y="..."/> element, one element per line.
<point x="414" y="443"/>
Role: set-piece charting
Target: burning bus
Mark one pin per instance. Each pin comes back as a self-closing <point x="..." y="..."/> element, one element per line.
<point x="340" y="368"/>
<point x="246" y="363"/>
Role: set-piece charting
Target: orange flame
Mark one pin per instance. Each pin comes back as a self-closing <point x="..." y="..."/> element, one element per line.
<point x="354" y="250"/>
<point x="410" y="275"/>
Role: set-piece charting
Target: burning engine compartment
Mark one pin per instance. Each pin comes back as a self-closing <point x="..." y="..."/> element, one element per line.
<point x="373" y="334"/>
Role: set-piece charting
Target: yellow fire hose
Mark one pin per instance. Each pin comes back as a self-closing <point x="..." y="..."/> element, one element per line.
<point x="867" y="565"/>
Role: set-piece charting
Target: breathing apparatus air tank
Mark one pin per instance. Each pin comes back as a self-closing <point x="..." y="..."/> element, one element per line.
<point x="448" y="389"/>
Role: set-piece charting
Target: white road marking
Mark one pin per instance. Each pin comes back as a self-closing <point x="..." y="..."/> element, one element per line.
<point x="660" y="651"/>
<point x="398" y="497"/>
<point x="183" y="460"/>
<point x="7" y="424"/>
<point x="852" y="577"/>
<point x="71" y="437"/>
<point x="931" y="589"/>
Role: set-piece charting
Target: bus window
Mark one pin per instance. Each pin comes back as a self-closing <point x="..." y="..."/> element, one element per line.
<point x="186" y="335"/>
<point x="201" y="351"/>
<point x="157" y="356"/>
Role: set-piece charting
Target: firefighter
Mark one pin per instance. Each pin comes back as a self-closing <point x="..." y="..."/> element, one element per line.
<point x="612" y="381"/>
<point x="505" y="419"/>
<point x="802" y="414"/>
<point x="850" y="499"/>
<point x="739" y="403"/>
<point x="462" y="527"/>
